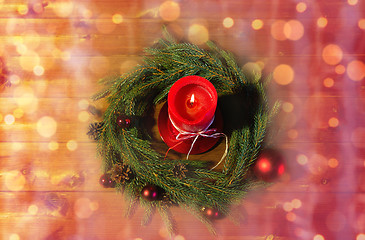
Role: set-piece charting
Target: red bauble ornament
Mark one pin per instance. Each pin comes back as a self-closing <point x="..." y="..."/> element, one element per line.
<point x="212" y="213"/>
<point x="269" y="165"/>
<point x="123" y="121"/>
<point x="152" y="193"/>
<point x="106" y="181"/>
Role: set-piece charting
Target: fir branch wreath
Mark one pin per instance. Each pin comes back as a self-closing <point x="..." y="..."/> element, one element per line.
<point x="130" y="163"/>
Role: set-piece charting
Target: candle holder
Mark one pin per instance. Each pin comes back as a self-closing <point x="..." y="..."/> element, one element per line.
<point x="189" y="116"/>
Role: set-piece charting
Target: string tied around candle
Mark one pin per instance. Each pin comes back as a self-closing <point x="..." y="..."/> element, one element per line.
<point x="210" y="133"/>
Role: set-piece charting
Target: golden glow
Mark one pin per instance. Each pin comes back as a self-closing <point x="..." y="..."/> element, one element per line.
<point x="328" y="82"/>
<point x="83" y="116"/>
<point x="361" y="23"/>
<point x="340" y="69"/>
<point x="360" y="236"/>
<point x="83" y="104"/>
<point x="352" y="2"/>
<point x="322" y="22"/>
<point x="333" y="122"/>
<point x="14" y="79"/>
<point x="302" y="159"/>
<point x="293" y="30"/>
<point x="332" y="54"/>
<point x="29" y="60"/>
<point x="71" y="145"/>
<point x="38" y="70"/>
<point x="290" y="216"/>
<point x="283" y="74"/>
<point x="301" y="7"/>
<point x="82" y="208"/>
<point x="252" y="68"/>
<point x="46" y="126"/>
<point x="33" y="209"/>
<point x="23" y="9"/>
<point x="228" y="22"/>
<point x="332" y="162"/>
<point x="318" y="237"/>
<point x="179" y="237"/>
<point x="169" y="11"/>
<point x="277" y="30"/>
<point x="14" y="236"/>
<point x="9" y="119"/>
<point x="117" y="18"/>
<point x="257" y="24"/>
<point x="53" y="146"/>
<point x="287" y="107"/>
<point x="198" y="34"/>
<point x="287" y="206"/>
<point x="356" y="70"/>
<point x="317" y="164"/>
<point x="17" y="146"/>
<point x="18" y="113"/>
<point x="63" y="8"/>
<point x="296" y="203"/>
<point x="14" y="180"/>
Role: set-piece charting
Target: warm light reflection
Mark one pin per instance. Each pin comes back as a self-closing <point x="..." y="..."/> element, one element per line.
<point x="317" y="164"/>
<point x="33" y="209"/>
<point x="277" y="30"/>
<point x="290" y="216"/>
<point x="257" y="24"/>
<point x="296" y="203"/>
<point x="301" y="7"/>
<point x="117" y="18"/>
<point x="29" y="60"/>
<point x="53" y="146"/>
<point x="63" y="8"/>
<point x="38" y="70"/>
<point x="287" y="206"/>
<point x="14" y="180"/>
<point x="14" y="236"/>
<point x="328" y="82"/>
<point x="302" y="159"/>
<point x="333" y="122"/>
<point x="46" y="126"/>
<point x="356" y="70"/>
<point x="360" y="236"/>
<point x="82" y="208"/>
<point x="293" y="30"/>
<point x="283" y="74"/>
<point x="228" y="22"/>
<point x="352" y="2"/>
<point x="332" y="162"/>
<point x="332" y="54"/>
<point x="287" y="107"/>
<point x="71" y="145"/>
<point x="179" y="237"/>
<point x="318" y="237"/>
<point x="9" y="119"/>
<point x="83" y="104"/>
<point x="198" y="34"/>
<point x="83" y="116"/>
<point x="293" y="134"/>
<point x="361" y="23"/>
<point x="169" y="11"/>
<point x="322" y="22"/>
<point x="340" y="69"/>
<point x="252" y="69"/>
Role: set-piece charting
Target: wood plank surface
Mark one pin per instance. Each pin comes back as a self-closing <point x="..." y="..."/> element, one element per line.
<point x="54" y="52"/>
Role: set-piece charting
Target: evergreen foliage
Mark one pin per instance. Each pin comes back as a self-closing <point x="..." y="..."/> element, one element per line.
<point x="189" y="184"/>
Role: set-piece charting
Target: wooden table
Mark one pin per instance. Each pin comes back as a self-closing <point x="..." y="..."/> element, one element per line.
<point x="54" y="52"/>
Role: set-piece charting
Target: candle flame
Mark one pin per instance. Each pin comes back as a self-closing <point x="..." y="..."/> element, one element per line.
<point x="192" y="99"/>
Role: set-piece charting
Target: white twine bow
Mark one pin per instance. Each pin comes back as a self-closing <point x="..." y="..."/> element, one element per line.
<point x="209" y="133"/>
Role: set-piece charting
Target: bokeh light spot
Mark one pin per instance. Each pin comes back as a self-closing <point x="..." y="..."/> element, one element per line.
<point x="293" y="30"/>
<point x="228" y="22"/>
<point x="360" y="236"/>
<point x="17" y="146"/>
<point x="117" y="18"/>
<point x="283" y="74"/>
<point x="82" y="208"/>
<point x="169" y="11"/>
<point x="53" y="146"/>
<point x="14" y="236"/>
<point x="277" y="30"/>
<point x="328" y="82"/>
<point x="198" y="34"/>
<point x="83" y="116"/>
<point x="352" y="2"/>
<point x="293" y="134"/>
<point x="318" y="237"/>
<point x="301" y="7"/>
<point x="290" y="216"/>
<point x="63" y="8"/>
<point x="9" y="119"/>
<point x="332" y="54"/>
<point x="83" y="104"/>
<point x="46" y="126"/>
<point x="23" y="9"/>
<point x="179" y="237"/>
<point x="340" y="69"/>
<point x="302" y="159"/>
<point x="317" y="164"/>
<point x="71" y="145"/>
<point x="14" y="180"/>
<point x="287" y="206"/>
<point x="94" y="206"/>
<point x="257" y="24"/>
<point x="252" y="69"/>
<point x="361" y="23"/>
<point x="33" y="209"/>
<point x="296" y="203"/>
<point x="38" y="70"/>
<point x="322" y="22"/>
<point x="18" y="113"/>
<point x="356" y="70"/>
<point x="332" y="162"/>
<point x="333" y="122"/>
<point x="288" y="107"/>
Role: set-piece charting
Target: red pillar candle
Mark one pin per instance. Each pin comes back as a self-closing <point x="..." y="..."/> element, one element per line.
<point x="192" y="102"/>
<point x="191" y="108"/>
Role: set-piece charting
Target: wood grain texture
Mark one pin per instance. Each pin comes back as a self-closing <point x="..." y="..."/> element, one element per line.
<point x="54" y="56"/>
